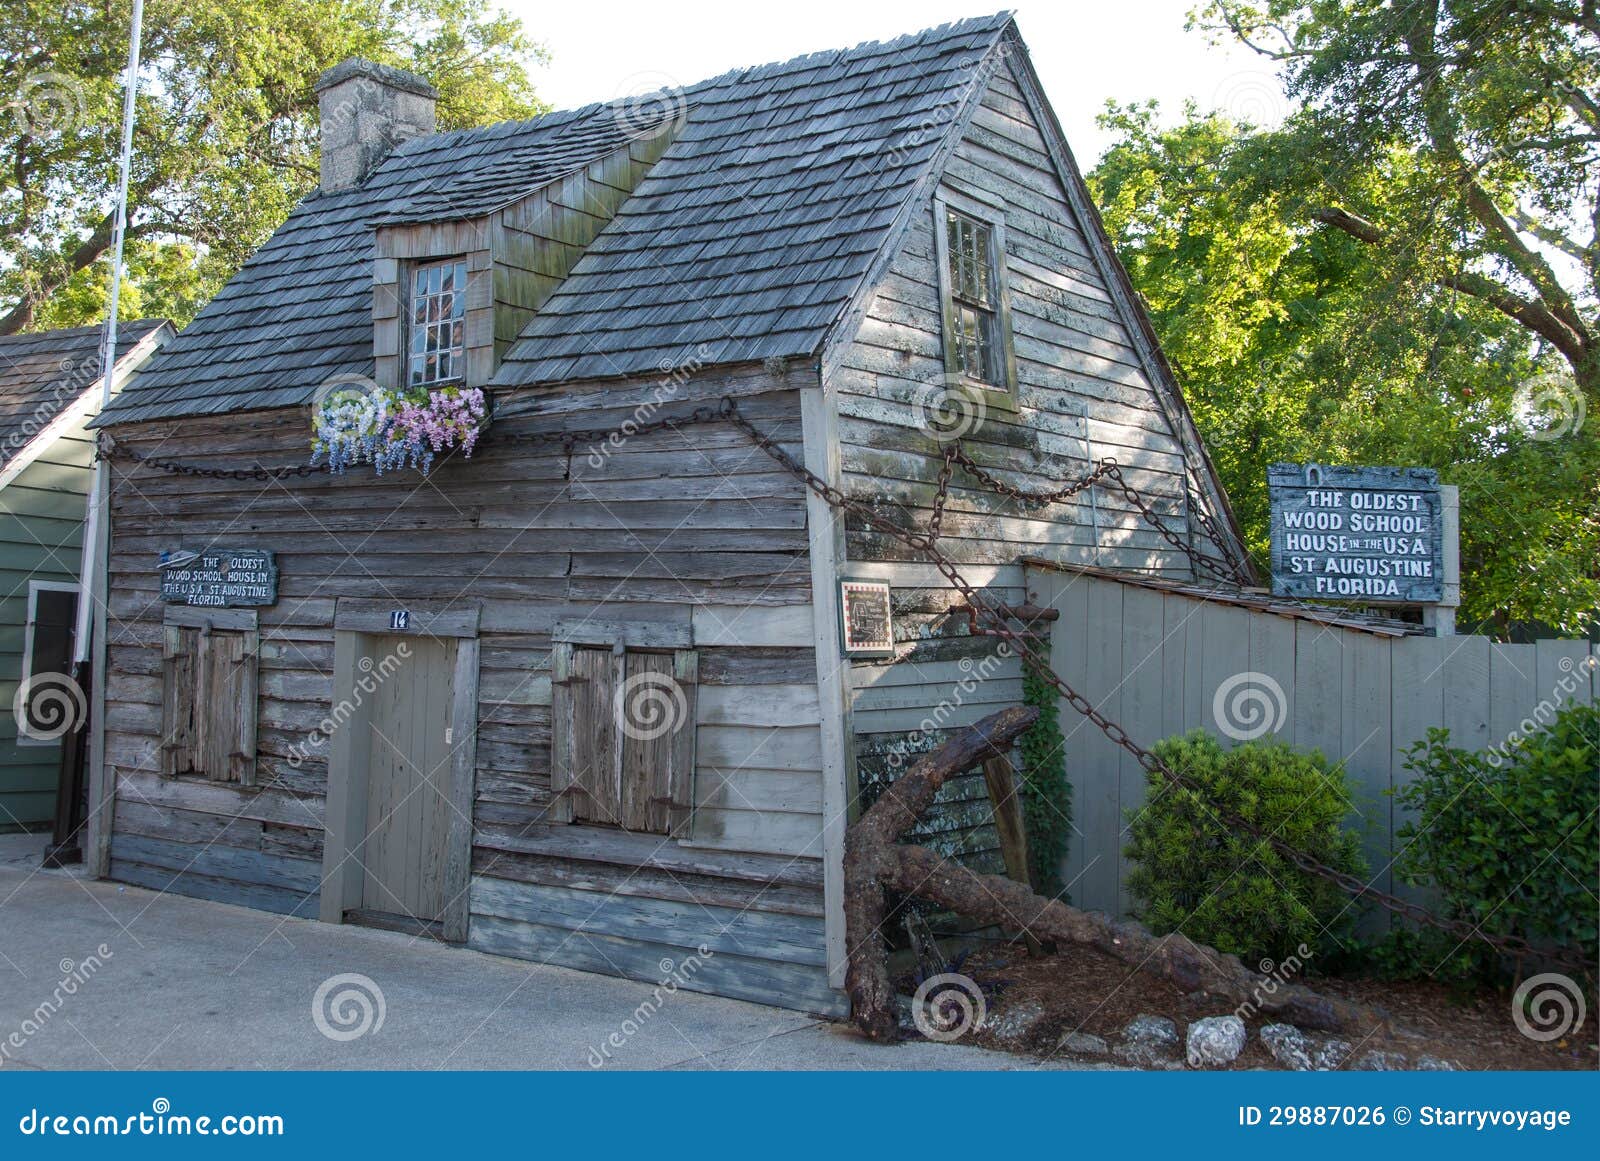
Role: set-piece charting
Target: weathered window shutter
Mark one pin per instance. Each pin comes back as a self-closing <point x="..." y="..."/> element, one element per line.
<point x="177" y="700"/>
<point x="208" y="703"/>
<point x="622" y="749"/>
<point x="561" y="726"/>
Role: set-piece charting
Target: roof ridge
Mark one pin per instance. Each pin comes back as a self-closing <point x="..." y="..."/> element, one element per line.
<point x="552" y="117"/>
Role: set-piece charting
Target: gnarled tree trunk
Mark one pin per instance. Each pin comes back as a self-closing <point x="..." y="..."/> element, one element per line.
<point x="875" y="862"/>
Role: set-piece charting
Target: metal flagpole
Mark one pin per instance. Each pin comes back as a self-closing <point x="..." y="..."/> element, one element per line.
<point x="89" y="629"/>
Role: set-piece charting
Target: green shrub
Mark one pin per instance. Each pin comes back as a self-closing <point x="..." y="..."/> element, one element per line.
<point x="1196" y="873"/>
<point x="1507" y="836"/>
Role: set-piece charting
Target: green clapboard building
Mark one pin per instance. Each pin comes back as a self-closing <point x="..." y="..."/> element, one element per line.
<point x="50" y="387"/>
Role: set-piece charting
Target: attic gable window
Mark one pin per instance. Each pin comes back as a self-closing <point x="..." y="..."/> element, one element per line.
<point x="977" y="323"/>
<point x="438" y="347"/>
<point x="971" y="286"/>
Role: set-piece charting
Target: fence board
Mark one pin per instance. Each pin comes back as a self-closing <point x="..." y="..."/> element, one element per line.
<point x="1319" y="683"/>
<point x="1069" y="658"/>
<point x="1100" y="799"/>
<point x="1142" y="714"/>
<point x="1512" y="686"/>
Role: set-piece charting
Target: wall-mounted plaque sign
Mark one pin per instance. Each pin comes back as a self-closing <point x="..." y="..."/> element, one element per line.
<point x="867" y="621"/>
<point x="219" y="578"/>
<point x="1359" y="534"/>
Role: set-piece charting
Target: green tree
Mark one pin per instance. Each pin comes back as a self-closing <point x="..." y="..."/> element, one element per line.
<point x="226" y="141"/>
<point x="1491" y="103"/>
<point x="1298" y="341"/>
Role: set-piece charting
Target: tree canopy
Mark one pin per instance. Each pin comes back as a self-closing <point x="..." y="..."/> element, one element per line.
<point x="1400" y="273"/>
<point x="226" y="133"/>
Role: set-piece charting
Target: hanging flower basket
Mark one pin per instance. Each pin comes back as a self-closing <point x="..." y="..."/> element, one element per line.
<point x="395" y="429"/>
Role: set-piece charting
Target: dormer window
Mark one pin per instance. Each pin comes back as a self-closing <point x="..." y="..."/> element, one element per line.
<point x="977" y="325"/>
<point x="437" y="346"/>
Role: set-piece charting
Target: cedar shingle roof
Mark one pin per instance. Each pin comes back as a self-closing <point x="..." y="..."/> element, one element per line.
<point x="42" y="374"/>
<point x="750" y="235"/>
<point x="747" y="238"/>
<point x="300" y="310"/>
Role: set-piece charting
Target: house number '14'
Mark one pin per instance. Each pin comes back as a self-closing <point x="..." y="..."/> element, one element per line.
<point x="400" y="619"/>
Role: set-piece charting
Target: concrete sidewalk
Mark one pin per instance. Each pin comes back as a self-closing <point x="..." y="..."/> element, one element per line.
<point x="182" y="984"/>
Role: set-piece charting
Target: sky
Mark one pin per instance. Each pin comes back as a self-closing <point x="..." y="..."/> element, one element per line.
<point x="1085" y="53"/>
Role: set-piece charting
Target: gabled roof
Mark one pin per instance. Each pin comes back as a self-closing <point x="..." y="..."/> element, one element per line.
<point x="44" y="374"/>
<point x="300" y="310"/>
<point x="747" y="239"/>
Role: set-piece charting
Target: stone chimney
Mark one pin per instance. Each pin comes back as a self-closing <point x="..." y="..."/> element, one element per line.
<point x="367" y="109"/>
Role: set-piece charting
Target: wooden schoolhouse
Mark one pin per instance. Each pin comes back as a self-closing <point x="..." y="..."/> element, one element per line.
<point x="604" y="693"/>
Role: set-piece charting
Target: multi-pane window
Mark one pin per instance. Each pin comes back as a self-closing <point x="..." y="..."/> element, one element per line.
<point x="974" y="312"/>
<point x="438" y="323"/>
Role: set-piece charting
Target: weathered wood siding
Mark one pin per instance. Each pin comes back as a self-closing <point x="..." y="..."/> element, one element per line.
<point x="694" y="529"/>
<point x="1082" y="394"/>
<point x="41" y="534"/>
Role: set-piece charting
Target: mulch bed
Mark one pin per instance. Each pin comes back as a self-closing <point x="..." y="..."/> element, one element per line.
<point x="1086" y="991"/>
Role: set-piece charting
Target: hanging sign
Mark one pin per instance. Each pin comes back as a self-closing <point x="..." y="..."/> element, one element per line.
<point x="220" y="578"/>
<point x="867" y="620"/>
<point x="1358" y="534"/>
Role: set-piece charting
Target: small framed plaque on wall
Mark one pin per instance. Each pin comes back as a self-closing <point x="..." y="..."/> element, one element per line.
<point x="868" y="623"/>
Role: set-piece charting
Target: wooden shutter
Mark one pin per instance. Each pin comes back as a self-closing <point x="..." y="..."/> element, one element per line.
<point x="208" y="711"/>
<point x="177" y="699"/>
<point x="641" y="779"/>
<point x="595" y="742"/>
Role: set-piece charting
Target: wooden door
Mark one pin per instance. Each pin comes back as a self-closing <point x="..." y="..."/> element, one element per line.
<point x="408" y="778"/>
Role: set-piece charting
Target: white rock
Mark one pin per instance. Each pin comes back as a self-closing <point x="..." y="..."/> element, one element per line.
<point x="1215" y="1041"/>
<point x="1289" y="1046"/>
<point x="1151" y="1032"/>
<point x="1083" y="1044"/>
<point x="1377" y="1061"/>
<point x="1436" y="1064"/>
<point x="1331" y="1055"/>
<point x="1015" y="1022"/>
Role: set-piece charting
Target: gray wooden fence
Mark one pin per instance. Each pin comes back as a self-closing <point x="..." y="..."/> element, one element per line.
<point x="1161" y="660"/>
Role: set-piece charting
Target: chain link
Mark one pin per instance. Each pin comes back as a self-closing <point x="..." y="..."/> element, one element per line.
<point x="1106" y="473"/>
